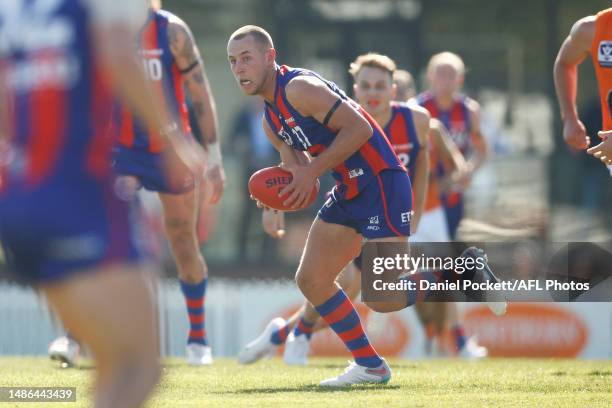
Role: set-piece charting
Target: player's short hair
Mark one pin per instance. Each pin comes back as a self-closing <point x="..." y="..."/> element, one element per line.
<point x="446" y="58"/>
<point x="260" y="35"/>
<point x="404" y="79"/>
<point x="373" y="60"/>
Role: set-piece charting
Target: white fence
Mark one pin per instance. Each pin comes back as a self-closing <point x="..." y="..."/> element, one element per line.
<point x="236" y="313"/>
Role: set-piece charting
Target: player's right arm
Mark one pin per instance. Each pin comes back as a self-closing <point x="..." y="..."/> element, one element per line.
<point x="574" y="50"/>
<point x="450" y="155"/>
<point x="289" y="156"/>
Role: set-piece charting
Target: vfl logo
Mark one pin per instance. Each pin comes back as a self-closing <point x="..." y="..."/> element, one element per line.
<point x="604" y="54"/>
<point x="374" y="224"/>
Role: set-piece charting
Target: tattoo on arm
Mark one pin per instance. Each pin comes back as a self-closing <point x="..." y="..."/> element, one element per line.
<point x="199" y="108"/>
<point x="198" y="77"/>
<point x="182" y="44"/>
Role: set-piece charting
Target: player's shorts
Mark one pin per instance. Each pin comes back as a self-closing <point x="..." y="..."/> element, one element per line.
<point x="381" y="210"/>
<point x="432" y="227"/>
<point x="149" y="169"/>
<point x="64" y="228"/>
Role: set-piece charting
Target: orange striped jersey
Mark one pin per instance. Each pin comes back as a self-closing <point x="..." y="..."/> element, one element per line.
<point x="601" y="52"/>
<point x="162" y="71"/>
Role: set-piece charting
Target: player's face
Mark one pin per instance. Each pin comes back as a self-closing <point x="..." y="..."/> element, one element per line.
<point x="445" y="80"/>
<point x="374" y="90"/>
<point x="249" y="63"/>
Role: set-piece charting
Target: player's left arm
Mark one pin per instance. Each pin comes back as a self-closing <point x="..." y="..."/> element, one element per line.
<point x="189" y="61"/>
<point x="479" y="143"/>
<point x="421" y="169"/>
<point x="312" y="98"/>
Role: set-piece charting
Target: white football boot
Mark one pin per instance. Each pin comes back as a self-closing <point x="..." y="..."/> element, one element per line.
<point x="262" y="346"/>
<point x="472" y="350"/>
<point x="199" y="354"/>
<point x="65" y="350"/>
<point x="495" y="301"/>
<point x="356" y="374"/>
<point x="296" y="350"/>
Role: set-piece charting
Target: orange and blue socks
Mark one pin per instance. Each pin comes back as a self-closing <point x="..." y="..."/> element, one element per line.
<point x="459" y="336"/>
<point x="279" y="336"/>
<point x="195" y="294"/>
<point x="303" y="327"/>
<point x="339" y="312"/>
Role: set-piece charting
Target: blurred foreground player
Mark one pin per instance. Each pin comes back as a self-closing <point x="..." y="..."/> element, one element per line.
<point x="589" y="35"/>
<point x="172" y="61"/>
<point x="306" y="113"/>
<point x="62" y="227"/>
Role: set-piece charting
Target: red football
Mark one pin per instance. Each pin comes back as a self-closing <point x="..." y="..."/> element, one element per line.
<point x="265" y="185"/>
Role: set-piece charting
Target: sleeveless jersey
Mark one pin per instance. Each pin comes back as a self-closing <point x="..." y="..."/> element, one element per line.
<point x="307" y="134"/>
<point x="59" y="106"/>
<point x="456" y="119"/>
<point x="601" y="52"/>
<point x="402" y="134"/>
<point x="162" y="71"/>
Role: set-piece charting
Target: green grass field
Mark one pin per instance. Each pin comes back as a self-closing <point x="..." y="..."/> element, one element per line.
<point x="431" y="383"/>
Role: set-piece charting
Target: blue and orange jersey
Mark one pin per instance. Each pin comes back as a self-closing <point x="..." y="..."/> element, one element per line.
<point x="402" y="134"/>
<point x="162" y="71"/>
<point x="59" y="104"/>
<point x="456" y="119"/>
<point x="601" y="53"/>
<point x="308" y="134"/>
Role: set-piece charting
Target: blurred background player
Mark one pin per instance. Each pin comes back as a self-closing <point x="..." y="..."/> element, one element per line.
<point x="439" y="318"/>
<point x="305" y="113"/>
<point x="172" y="61"/>
<point x="461" y="116"/>
<point x="589" y="35"/>
<point x="60" y="61"/>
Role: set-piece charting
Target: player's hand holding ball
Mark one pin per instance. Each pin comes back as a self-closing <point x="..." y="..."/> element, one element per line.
<point x="301" y="188"/>
<point x="280" y="189"/>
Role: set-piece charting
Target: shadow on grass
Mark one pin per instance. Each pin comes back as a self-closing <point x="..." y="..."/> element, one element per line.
<point x="600" y="373"/>
<point x="312" y="388"/>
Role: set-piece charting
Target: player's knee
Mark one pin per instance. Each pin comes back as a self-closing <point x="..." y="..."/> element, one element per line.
<point x="141" y="372"/>
<point x="182" y="238"/>
<point x="308" y="283"/>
